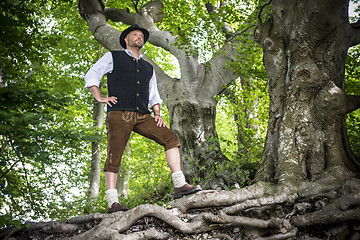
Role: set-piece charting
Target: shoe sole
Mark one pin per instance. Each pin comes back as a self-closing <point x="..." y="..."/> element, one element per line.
<point x="187" y="193"/>
<point x="120" y="210"/>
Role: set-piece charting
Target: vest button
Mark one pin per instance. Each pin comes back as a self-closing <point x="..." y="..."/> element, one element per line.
<point x="137" y="108"/>
<point x="134" y="59"/>
<point x="137" y="70"/>
<point x="138" y="82"/>
<point x="137" y="94"/>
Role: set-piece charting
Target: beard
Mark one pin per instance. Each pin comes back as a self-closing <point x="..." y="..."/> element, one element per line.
<point x="137" y="44"/>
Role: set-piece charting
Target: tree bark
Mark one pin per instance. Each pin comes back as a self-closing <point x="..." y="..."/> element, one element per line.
<point x="305" y="45"/>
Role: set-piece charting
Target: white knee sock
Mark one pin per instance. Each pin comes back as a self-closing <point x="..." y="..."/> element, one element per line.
<point x="178" y="179"/>
<point x="112" y="196"/>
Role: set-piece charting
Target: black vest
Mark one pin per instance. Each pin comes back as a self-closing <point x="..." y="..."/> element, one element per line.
<point x="129" y="82"/>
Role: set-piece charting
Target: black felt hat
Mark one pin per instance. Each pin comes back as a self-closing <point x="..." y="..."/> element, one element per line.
<point x="130" y="29"/>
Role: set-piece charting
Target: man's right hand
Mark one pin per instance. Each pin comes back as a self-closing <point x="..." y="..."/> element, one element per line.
<point x="108" y="100"/>
<point x="97" y="95"/>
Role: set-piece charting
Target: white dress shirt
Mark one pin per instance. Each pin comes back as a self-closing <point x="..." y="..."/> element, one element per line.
<point x="105" y="65"/>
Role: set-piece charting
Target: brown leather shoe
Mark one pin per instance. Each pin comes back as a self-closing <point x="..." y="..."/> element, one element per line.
<point x="186" y="190"/>
<point x="116" y="207"/>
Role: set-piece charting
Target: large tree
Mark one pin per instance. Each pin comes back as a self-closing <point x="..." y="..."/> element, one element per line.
<point x="304" y="55"/>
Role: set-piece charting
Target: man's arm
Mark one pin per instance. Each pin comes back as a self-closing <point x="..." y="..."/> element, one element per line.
<point x="103" y="66"/>
<point x="97" y="95"/>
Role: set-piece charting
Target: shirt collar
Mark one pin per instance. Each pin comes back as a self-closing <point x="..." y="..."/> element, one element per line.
<point x="131" y="55"/>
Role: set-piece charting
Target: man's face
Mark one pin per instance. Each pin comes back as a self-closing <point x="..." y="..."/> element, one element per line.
<point x="135" y="39"/>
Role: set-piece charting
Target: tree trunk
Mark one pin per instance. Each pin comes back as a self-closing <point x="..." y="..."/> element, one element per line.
<point x="305" y="45"/>
<point x="95" y="173"/>
<point x="194" y="123"/>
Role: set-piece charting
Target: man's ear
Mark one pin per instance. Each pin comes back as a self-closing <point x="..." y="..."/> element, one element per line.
<point x="126" y="40"/>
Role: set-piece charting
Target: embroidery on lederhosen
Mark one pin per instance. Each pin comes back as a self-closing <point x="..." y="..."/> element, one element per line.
<point x="127" y="116"/>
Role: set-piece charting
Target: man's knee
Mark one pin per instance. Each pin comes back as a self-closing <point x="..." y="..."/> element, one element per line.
<point x="172" y="141"/>
<point x="112" y="166"/>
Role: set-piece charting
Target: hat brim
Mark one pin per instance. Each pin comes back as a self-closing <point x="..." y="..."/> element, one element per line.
<point x="130" y="29"/>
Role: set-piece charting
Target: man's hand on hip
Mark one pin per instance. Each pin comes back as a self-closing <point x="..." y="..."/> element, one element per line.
<point x="108" y="100"/>
<point x="97" y="95"/>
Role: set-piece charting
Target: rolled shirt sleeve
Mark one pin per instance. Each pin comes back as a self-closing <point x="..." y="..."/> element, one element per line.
<point x="154" y="96"/>
<point x="103" y="66"/>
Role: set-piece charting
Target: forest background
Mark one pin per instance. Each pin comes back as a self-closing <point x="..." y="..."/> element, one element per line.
<point x="46" y="115"/>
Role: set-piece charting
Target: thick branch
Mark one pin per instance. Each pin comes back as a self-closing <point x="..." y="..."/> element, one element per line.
<point x="150" y="11"/>
<point x="218" y="73"/>
<point x="106" y="35"/>
<point x="120" y="15"/>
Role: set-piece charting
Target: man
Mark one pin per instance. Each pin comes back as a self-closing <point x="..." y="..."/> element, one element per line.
<point x="132" y="87"/>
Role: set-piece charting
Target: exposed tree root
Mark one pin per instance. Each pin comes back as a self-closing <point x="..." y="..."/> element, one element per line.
<point x="45" y="227"/>
<point x="223" y="218"/>
<point x="122" y="221"/>
<point x="220" y="198"/>
<point x="283" y="197"/>
<point x="281" y="236"/>
<point x="88" y="218"/>
<point x="337" y="212"/>
<point x="151" y="233"/>
<point x="261" y="211"/>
